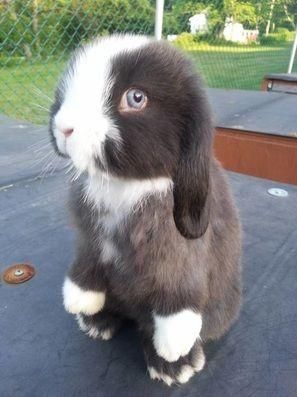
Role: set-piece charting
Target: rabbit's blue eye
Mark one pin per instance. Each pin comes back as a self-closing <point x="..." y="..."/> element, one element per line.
<point x="133" y="100"/>
<point x="136" y="99"/>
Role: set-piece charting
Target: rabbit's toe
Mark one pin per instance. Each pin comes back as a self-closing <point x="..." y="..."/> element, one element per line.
<point x="99" y="326"/>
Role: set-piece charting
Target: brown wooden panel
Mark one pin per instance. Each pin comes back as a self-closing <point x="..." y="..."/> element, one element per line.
<point x="266" y="156"/>
<point x="278" y="85"/>
<point x="264" y="85"/>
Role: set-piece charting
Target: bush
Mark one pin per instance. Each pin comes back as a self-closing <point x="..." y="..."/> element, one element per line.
<point x="284" y="34"/>
<point x="281" y="36"/>
<point x="214" y="40"/>
<point x="170" y="24"/>
<point x="185" y="40"/>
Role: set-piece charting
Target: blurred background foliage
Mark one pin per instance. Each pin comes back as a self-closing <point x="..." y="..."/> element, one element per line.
<point x="36" y="37"/>
<point x="47" y="27"/>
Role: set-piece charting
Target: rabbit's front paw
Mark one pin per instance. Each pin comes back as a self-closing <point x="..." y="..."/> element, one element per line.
<point x="176" y="372"/>
<point x="77" y="300"/>
<point x="175" y="335"/>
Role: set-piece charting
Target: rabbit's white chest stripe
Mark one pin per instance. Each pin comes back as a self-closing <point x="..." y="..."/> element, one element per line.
<point x="77" y="300"/>
<point x="175" y="335"/>
<point x="116" y="198"/>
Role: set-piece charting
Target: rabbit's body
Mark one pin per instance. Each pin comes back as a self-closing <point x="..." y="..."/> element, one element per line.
<point x="159" y="236"/>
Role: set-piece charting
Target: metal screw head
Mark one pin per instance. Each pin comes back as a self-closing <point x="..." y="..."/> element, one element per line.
<point x="18" y="272"/>
<point x="277" y="192"/>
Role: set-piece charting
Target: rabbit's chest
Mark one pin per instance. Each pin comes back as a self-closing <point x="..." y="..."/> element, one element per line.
<point x="124" y="249"/>
<point x="106" y="238"/>
<point x="132" y="236"/>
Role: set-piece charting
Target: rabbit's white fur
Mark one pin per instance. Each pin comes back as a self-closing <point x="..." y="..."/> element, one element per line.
<point x="176" y="334"/>
<point x="77" y="300"/>
<point x="86" y="88"/>
<point x="122" y="196"/>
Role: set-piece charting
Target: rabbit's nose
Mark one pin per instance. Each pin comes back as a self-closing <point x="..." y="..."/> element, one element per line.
<point x="67" y="131"/>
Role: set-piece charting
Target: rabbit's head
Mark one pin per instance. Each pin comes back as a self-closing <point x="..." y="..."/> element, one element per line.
<point x="134" y="109"/>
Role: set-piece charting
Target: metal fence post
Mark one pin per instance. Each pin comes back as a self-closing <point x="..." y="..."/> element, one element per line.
<point x="293" y="53"/>
<point x="159" y="19"/>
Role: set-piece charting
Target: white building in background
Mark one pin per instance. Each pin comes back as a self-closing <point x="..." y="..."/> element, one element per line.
<point x="234" y="31"/>
<point x="171" y="37"/>
<point x="198" y="23"/>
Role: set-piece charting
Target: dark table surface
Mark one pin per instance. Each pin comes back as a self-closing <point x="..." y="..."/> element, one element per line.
<point x="282" y="76"/>
<point x="42" y="352"/>
<point x="259" y="111"/>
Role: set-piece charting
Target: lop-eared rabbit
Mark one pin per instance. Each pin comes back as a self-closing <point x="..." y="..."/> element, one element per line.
<point x="159" y="238"/>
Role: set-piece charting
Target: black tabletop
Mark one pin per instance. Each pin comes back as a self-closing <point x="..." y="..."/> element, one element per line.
<point x="259" y="111"/>
<point x="282" y="76"/>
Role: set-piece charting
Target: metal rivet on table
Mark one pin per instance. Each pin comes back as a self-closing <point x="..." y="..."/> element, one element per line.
<point x="278" y="192"/>
<point x="18" y="273"/>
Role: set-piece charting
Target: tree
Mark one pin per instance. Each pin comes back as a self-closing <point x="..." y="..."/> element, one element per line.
<point x="241" y="11"/>
<point x="289" y="8"/>
<point x="276" y="13"/>
<point x="272" y="4"/>
<point x="178" y="12"/>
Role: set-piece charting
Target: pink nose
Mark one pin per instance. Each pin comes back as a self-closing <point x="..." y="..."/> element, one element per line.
<point x="67" y="131"/>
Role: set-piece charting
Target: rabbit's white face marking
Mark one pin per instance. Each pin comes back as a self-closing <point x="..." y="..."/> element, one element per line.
<point x="77" y="300"/>
<point x="86" y="89"/>
<point x="176" y="334"/>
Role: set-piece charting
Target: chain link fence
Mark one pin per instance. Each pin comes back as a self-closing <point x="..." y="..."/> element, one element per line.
<point x="230" y="41"/>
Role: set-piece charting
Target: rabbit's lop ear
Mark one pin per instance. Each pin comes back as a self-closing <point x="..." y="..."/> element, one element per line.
<point x="192" y="178"/>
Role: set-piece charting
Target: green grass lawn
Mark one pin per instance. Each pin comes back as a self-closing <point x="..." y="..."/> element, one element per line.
<point x="240" y="67"/>
<point x="27" y="87"/>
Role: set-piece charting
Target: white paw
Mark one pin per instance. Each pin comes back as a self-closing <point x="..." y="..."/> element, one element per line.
<point x="77" y="300"/>
<point x="92" y="331"/>
<point x="176" y="334"/>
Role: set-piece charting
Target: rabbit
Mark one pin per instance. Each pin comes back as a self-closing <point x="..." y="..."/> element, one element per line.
<point x="159" y="236"/>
